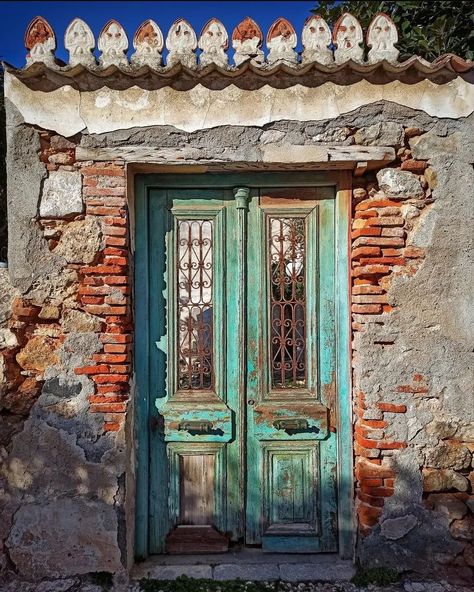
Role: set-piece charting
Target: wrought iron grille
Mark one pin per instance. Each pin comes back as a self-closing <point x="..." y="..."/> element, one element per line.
<point x="287" y="302"/>
<point x="195" y="304"/>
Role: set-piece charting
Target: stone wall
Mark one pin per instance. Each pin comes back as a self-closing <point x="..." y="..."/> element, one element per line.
<point x="66" y="328"/>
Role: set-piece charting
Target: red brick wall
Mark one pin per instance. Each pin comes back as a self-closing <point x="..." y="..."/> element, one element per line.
<point x="105" y="292"/>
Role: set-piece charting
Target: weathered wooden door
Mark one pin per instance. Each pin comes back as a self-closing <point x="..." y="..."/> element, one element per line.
<point x="241" y="367"/>
<point x="290" y="394"/>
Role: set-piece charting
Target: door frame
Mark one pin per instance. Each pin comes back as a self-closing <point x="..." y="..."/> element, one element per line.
<point x="144" y="434"/>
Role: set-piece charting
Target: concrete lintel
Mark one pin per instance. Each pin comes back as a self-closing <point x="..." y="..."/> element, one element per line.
<point x="331" y="156"/>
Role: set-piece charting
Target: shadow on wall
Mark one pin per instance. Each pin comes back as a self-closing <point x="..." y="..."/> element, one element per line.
<point x="3" y="177"/>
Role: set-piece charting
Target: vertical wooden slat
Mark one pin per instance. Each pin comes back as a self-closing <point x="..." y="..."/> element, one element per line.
<point x="256" y="310"/>
<point x="196" y="498"/>
<point x="327" y="367"/>
<point x="141" y="369"/>
<point x="345" y="452"/>
<point x="158" y="231"/>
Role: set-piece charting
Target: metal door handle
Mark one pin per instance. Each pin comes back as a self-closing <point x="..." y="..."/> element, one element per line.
<point x="291" y="424"/>
<point x="198" y="427"/>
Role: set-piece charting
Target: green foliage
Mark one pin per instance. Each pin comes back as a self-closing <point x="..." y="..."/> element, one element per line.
<point x="104" y="579"/>
<point x="380" y="576"/>
<point x="185" y="584"/>
<point x="428" y="28"/>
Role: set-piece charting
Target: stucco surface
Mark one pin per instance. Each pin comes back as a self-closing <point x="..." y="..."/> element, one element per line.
<point x="61" y="463"/>
<point x="67" y="111"/>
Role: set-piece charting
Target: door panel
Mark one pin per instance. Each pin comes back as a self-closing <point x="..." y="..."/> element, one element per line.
<point x="196" y="405"/>
<point x="291" y="465"/>
<point x="242" y="369"/>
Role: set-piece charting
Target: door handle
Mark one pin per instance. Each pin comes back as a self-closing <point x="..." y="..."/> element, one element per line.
<point x="196" y="427"/>
<point x="292" y="424"/>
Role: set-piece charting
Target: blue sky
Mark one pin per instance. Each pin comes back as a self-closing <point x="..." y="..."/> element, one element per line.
<point x="15" y="16"/>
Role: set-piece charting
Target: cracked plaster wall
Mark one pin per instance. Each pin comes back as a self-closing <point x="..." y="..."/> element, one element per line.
<point x="59" y="465"/>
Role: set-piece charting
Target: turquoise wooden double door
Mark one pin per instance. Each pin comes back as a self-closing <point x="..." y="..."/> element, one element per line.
<point x="240" y="359"/>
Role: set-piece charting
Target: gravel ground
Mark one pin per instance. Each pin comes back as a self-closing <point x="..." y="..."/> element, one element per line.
<point x="73" y="585"/>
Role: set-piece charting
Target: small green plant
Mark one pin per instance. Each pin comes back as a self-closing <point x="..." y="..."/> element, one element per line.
<point x="380" y="576"/>
<point x="103" y="579"/>
<point x="185" y="584"/>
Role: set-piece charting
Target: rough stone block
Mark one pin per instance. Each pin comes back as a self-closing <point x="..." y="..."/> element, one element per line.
<point x="7" y="339"/>
<point x="380" y="134"/>
<point x="64" y="537"/>
<point x="397" y="528"/>
<point x="38" y="354"/>
<point x="398" y="184"/>
<point x="446" y="503"/>
<point x="431" y="145"/>
<point x="443" y="480"/>
<point x="171" y="572"/>
<point x="80" y="241"/>
<point x="449" y="456"/>
<point x="336" y="570"/>
<point x="260" y="572"/>
<point x="76" y="321"/>
<point x="62" y="195"/>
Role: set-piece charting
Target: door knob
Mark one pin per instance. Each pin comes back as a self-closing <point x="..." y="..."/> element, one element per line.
<point x="251" y="402"/>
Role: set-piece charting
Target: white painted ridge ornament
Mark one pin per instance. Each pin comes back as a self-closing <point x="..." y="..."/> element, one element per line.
<point x="213" y="42"/>
<point x="316" y="40"/>
<point x="181" y="43"/>
<point x="40" y="41"/>
<point x="247" y="39"/>
<point x="382" y="35"/>
<point x="79" y="41"/>
<point x="148" y="44"/>
<point x="281" y="43"/>
<point x="347" y="37"/>
<point x="113" y="43"/>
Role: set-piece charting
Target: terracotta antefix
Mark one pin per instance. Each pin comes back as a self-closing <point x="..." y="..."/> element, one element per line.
<point x="347" y="37"/>
<point x="181" y="43"/>
<point x="247" y="39"/>
<point x="316" y="38"/>
<point x="281" y="42"/>
<point x="113" y="43"/>
<point x="381" y="38"/>
<point x="79" y="41"/>
<point x="148" y="45"/>
<point x="214" y="42"/>
<point x="40" y="42"/>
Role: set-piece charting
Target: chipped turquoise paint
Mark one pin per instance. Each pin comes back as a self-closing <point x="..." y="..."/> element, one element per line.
<point x="159" y="198"/>
<point x="343" y="319"/>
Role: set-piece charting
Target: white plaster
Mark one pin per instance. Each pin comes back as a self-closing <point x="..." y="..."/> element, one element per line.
<point x="382" y="34"/>
<point x="316" y="38"/>
<point x="67" y="111"/>
<point x="79" y="41"/>
<point x="57" y="110"/>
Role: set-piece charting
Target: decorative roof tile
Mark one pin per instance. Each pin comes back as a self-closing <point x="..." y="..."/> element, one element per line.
<point x="181" y="43"/>
<point x="80" y="43"/>
<point x="382" y="35"/>
<point x="336" y="57"/>
<point x="148" y="45"/>
<point x="113" y="43"/>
